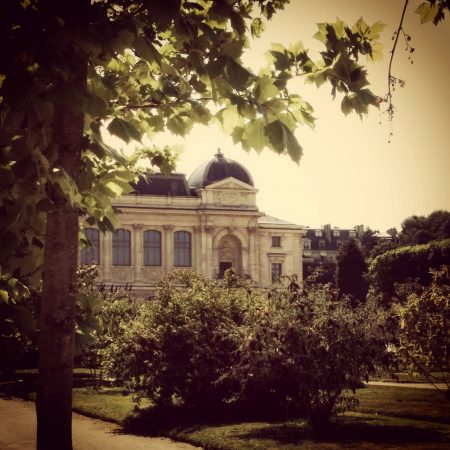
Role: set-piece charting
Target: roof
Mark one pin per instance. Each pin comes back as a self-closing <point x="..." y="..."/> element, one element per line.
<point x="218" y="168"/>
<point x="160" y="184"/>
<point x="266" y="221"/>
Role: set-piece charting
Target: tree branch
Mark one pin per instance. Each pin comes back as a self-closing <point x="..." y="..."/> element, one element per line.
<point x="391" y="78"/>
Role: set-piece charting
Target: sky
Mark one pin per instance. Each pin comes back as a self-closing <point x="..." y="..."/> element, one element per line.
<point x="350" y="173"/>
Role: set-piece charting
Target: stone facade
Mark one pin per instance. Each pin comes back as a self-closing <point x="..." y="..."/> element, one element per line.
<point x="221" y="227"/>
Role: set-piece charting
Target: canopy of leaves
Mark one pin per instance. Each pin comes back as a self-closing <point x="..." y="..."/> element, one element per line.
<point x="350" y="270"/>
<point x="423" y="229"/>
<point x="406" y="264"/>
<point x="424" y="339"/>
<point x="152" y="66"/>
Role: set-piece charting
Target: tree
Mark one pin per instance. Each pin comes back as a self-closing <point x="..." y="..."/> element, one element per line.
<point x="69" y="68"/>
<point x="424" y="340"/>
<point x="405" y="265"/>
<point x="423" y="229"/>
<point x="350" y="271"/>
<point x="368" y="240"/>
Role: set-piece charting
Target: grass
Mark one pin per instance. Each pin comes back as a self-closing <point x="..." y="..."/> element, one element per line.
<point x="411" y="403"/>
<point x="108" y="404"/>
<point x="389" y="417"/>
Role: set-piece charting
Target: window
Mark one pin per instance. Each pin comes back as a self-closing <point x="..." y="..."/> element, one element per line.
<point x="152" y="248"/>
<point x="336" y="233"/>
<point x="276" y="241"/>
<point x="182" y="249"/>
<point x="121" y="248"/>
<point x="91" y="254"/>
<point x="352" y="233"/>
<point x="322" y="243"/>
<point x="318" y="233"/>
<point x="307" y="244"/>
<point x="276" y="272"/>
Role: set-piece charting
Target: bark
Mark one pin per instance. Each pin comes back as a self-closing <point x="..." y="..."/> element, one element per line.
<point x="57" y="317"/>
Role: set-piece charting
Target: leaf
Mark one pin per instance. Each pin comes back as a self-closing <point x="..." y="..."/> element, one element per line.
<point x="229" y="118"/>
<point x="254" y="135"/>
<point x="124" y="130"/>
<point x="427" y="12"/>
<point x="119" y="187"/>
<point x="238" y="75"/>
<point x="147" y="50"/>
<point x="265" y="89"/>
<point x="4" y="297"/>
<point x="282" y="139"/>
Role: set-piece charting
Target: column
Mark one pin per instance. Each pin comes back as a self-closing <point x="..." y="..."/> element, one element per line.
<point x="106" y="256"/>
<point x="252" y="253"/>
<point x="137" y="252"/>
<point x="208" y="252"/>
<point x="168" y="248"/>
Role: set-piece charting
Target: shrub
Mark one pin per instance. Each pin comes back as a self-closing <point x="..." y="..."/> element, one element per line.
<point x="407" y="264"/>
<point x="424" y="339"/>
<point x="306" y="356"/>
<point x="204" y="346"/>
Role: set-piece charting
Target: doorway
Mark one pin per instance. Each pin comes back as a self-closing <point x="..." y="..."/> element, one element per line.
<point x="223" y="266"/>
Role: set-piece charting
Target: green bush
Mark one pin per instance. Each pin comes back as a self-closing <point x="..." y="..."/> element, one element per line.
<point x="181" y="344"/>
<point x="204" y="346"/>
<point x="307" y="355"/>
<point x="407" y="264"/>
<point x="424" y="324"/>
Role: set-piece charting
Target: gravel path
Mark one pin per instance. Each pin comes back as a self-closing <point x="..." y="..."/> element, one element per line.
<point x="18" y="432"/>
<point x="441" y="386"/>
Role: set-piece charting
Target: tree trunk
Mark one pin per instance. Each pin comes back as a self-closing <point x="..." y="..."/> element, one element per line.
<point x="57" y="317"/>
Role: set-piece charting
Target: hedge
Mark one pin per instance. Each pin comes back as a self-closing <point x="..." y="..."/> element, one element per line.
<point x="406" y="264"/>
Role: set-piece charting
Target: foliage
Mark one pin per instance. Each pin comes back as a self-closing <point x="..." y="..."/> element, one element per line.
<point x="382" y="247"/>
<point x="424" y="338"/>
<point x="368" y="240"/>
<point x="350" y="271"/>
<point x="421" y="229"/>
<point x="315" y="274"/>
<point x="305" y="355"/>
<point x="407" y="264"/>
<point x="203" y="345"/>
<point x="181" y="343"/>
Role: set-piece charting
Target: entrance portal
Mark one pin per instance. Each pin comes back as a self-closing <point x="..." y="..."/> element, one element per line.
<point x="223" y="266"/>
<point x="229" y="255"/>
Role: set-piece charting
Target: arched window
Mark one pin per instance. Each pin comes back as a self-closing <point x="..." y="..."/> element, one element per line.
<point x="91" y="254"/>
<point x="152" y="248"/>
<point x="121" y="248"/>
<point x="182" y="249"/>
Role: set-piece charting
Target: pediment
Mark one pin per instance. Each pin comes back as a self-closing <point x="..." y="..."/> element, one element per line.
<point x="230" y="183"/>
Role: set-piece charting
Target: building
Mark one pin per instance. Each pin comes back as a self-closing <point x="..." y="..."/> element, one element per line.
<point x="208" y="223"/>
<point x="321" y="245"/>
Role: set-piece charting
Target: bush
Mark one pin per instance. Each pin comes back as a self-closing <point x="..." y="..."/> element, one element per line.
<point x="306" y="356"/>
<point x="407" y="264"/>
<point x="424" y="339"/>
<point x="203" y="346"/>
<point x="181" y="344"/>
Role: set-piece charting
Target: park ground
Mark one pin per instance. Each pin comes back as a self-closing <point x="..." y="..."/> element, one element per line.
<point x="389" y="417"/>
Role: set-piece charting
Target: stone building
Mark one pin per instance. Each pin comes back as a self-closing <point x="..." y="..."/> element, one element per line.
<point x="208" y="223"/>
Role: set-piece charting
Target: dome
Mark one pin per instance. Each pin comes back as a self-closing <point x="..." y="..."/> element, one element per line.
<point x="218" y="169"/>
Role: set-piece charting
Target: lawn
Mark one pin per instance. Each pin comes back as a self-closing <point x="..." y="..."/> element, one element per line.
<point x="389" y="417"/>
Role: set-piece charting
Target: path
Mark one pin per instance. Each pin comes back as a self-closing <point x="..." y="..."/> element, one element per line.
<point x="18" y="432"/>
<point x="441" y="386"/>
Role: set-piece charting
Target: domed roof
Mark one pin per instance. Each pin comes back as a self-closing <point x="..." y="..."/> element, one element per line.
<point x="218" y="169"/>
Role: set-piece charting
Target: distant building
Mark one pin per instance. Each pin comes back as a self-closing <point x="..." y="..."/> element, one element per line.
<point x="321" y="245"/>
<point x="208" y="223"/>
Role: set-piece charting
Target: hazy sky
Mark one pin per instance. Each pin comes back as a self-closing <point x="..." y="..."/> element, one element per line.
<point x="349" y="173"/>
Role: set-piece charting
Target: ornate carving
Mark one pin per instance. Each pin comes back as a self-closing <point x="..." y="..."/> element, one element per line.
<point x="168" y="227"/>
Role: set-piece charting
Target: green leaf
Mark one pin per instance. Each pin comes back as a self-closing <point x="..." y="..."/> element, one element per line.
<point x="4" y="297"/>
<point x="427" y="12"/>
<point x="254" y="135"/>
<point x="147" y="50"/>
<point x="282" y="139"/>
<point x="124" y="130"/>
<point x="265" y="89"/>
<point x="229" y="118"/>
<point x="238" y="76"/>
<point x="119" y="187"/>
